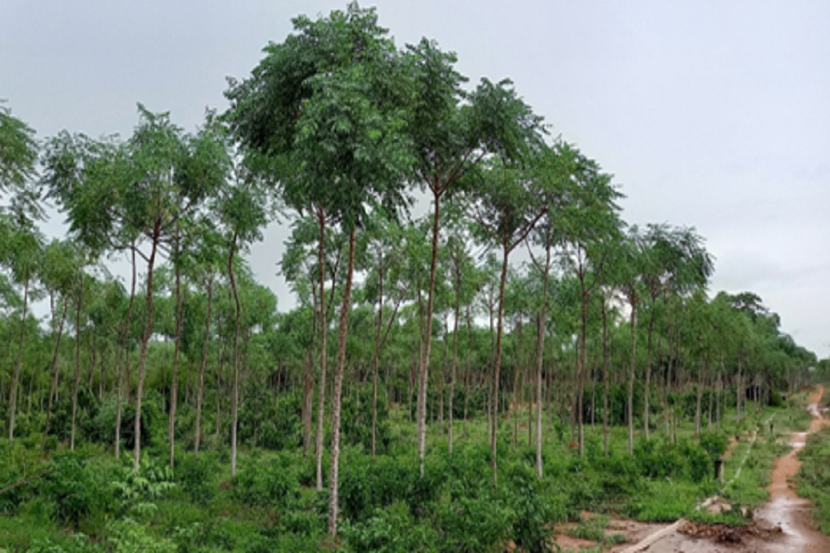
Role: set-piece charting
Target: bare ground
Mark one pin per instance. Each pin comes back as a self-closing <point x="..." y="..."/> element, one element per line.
<point x="783" y="525"/>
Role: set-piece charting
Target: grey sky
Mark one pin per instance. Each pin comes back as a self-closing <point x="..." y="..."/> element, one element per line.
<point x="710" y="114"/>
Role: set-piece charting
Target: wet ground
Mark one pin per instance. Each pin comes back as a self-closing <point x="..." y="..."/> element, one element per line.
<point x="783" y="525"/>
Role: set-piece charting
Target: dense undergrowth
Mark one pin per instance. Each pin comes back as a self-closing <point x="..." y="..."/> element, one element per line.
<point x="86" y="501"/>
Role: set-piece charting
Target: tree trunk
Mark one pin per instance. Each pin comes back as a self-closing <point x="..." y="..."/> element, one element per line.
<point x="174" y="385"/>
<point x="516" y="379"/>
<point x="145" y="339"/>
<point x="633" y="322"/>
<point x="423" y="378"/>
<point x="453" y="367"/>
<point x="200" y="395"/>
<point x="540" y="359"/>
<point x="54" y="371"/>
<point x="647" y="390"/>
<point x="338" y="389"/>
<point x="739" y="389"/>
<point x="77" y="380"/>
<point x="376" y="355"/>
<point x="235" y="393"/>
<point x="18" y="363"/>
<point x="126" y="360"/>
<point x="699" y="398"/>
<point x="580" y="371"/>
<point x="321" y="400"/>
<point x="497" y="365"/>
<point x="605" y="379"/>
<point x="467" y="374"/>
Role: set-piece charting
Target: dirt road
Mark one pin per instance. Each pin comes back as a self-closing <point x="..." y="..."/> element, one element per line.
<point x="784" y="523"/>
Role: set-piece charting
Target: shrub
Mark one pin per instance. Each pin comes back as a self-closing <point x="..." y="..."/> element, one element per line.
<point x="357" y="420"/>
<point x="271" y="483"/>
<point x="714" y="443"/>
<point x="389" y="530"/>
<point x="271" y="426"/>
<point x="193" y="473"/>
<point x="72" y="489"/>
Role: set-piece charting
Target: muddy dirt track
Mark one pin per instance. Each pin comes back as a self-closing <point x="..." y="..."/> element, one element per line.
<point x="783" y="524"/>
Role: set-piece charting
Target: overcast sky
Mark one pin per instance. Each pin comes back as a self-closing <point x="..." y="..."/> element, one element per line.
<point x="709" y="114"/>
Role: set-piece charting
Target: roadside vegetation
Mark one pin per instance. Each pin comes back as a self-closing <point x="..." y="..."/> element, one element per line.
<point x="813" y="479"/>
<point x="455" y="381"/>
<point x="87" y="501"/>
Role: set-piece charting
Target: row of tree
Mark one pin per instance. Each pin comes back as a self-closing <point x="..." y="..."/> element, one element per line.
<point x="338" y="130"/>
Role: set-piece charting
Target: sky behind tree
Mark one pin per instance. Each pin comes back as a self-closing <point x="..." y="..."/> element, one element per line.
<point x="709" y="114"/>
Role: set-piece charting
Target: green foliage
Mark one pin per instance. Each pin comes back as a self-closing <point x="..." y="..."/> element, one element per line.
<point x="594" y="529"/>
<point x="136" y="491"/>
<point x="814" y="477"/>
<point x="357" y="420"/>
<point x="194" y="474"/>
<point x="533" y="507"/>
<point x="389" y="530"/>
<point x="74" y="489"/>
<point x="660" y="458"/>
<point x="268" y="481"/>
<point x="128" y="536"/>
<point x="18" y="460"/>
<point x="714" y="443"/>
<point x="277" y="425"/>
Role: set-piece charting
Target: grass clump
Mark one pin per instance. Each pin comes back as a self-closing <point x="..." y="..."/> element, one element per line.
<point x="814" y="477"/>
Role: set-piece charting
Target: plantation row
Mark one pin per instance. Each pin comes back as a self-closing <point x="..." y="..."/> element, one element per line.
<point x="605" y="325"/>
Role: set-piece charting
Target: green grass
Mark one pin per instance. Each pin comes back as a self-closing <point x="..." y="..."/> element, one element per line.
<point x="594" y="529"/>
<point x="814" y="477"/>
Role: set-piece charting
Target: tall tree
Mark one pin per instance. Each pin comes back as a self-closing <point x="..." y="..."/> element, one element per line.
<point x="118" y="195"/>
<point x="60" y="265"/>
<point x="334" y="124"/>
<point x="590" y="228"/>
<point x="505" y="210"/>
<point x="21" y="252"/>
<point x="243" y="210"/>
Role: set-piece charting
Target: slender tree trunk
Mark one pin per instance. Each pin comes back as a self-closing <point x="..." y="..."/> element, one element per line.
<point x="605" y="379"/>
<point x="235" y="393"/>
<point x="540" y="359"/>
<point x="632" y="373"/>
<point x="647" y="390"/>
<point x="497" y="366"/>
<point x="77" y="380"/>
<point x="200" y="394"/>
<point x="174" y="385"/>
<point x="221" y="365"/>
<point x="699" y="398"/>
<point x="102" y="378"/>
<point x="308" y="380"/>
<point x="376" y="355"/>
<point x="125" y="386"/>
<point x="516" y="379"/>
<point x="18" y="363"/>
<point x="321" y="399"/>
<point x="580" y="375"/>
<point x="467" y="374"/>
<point x="54" y="372"/>
<point x="423" y="378"/>
<point x="145" y="340"/>
<point x="739" y="389"/>
<point x="454" y="365"/>
<point x="338" y="390"/>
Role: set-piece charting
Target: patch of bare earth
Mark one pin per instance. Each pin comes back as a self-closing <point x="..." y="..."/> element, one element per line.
<point x="633" y="531"/>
